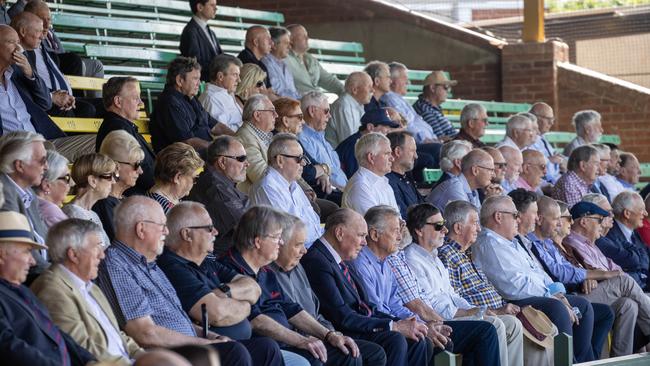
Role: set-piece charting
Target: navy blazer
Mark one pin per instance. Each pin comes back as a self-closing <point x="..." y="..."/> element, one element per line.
<point x="195" y="43"/>
<point x="631" y="256"/>
<point x="340" y="302"/>
<point x="37" y="100"/>
<point x="23" y="339"/>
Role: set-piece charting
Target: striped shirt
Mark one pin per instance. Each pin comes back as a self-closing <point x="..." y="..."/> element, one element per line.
<point x="433" y="116"/>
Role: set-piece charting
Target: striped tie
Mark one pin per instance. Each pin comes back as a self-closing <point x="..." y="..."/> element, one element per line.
<point x="346" y="274"/>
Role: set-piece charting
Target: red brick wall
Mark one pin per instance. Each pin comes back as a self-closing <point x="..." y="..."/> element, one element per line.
<point x="483" y="14"/>
<point x="477" y="82"/>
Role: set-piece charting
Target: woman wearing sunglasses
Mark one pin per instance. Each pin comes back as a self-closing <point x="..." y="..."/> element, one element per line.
<point x="125" y="150"/>
<point x="53" y="189"/>
<point x="252" y="82"/>
<point x="176" y="169"/>
<point x="94" y="176"/>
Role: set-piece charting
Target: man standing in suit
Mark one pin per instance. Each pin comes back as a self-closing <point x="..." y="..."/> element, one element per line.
<point x="197" y="39"/>
<point x="344" y="301"/>
<point x="76" y="305"/>
<point x="29" y="335"/>
<point x="23" y="161"/>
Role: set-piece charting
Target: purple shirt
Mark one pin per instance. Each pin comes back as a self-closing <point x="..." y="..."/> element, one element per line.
<point x="570" y="188"/>
<point x="588" y="253"/>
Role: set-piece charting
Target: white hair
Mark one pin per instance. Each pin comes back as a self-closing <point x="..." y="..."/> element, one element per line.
<point x="312" y="98"/>
<point x="368" y="144"/>
<point x="470" y="111"/>
<point x="582" y="119"/>
<point x="516" y="122"/>
<point x="624" y="201"/>
<point x="453" y="150"/>
<point x="595" y="198"/>
<point x="17" y="145"/>
<point x="70" y="233"/>
<point x="253" y="103"/>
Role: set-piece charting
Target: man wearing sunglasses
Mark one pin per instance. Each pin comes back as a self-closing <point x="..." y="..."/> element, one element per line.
<point x="216" y="188"/>
<point x="435" y="89"/>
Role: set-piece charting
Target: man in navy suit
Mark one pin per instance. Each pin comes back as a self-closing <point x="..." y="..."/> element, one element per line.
<point x="29" y="337"/>
<point x="344" y="301"/>
<point x="622" y="243"/>
<point x="197" y="39"/>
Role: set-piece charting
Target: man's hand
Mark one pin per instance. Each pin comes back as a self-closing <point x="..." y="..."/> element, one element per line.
<point x="556" y="159"/>
<point x="345" y="344"/>
<point x="588" y="286"/>
<point x="493" y="189"/>
<point x="411" y="328"/>
<point x="569" y="308"/>
<point x="21" y="61"/>
<point x="439" y="334"/>
<point x="311" y="195"/>
<point x="63" y="100"/>
<point x="508" y="309"/>
<point x="324" y="183"/>
<point x="315" y="347"/>
<point x="218" y="338"/>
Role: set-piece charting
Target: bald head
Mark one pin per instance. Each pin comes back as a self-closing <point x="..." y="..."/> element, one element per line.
<point x="545" y="116"/>
<point x="258" y="40"/>
<point x="299" y="38"/>
<point x="359" y="85"/>
<point x="474" y="158"/>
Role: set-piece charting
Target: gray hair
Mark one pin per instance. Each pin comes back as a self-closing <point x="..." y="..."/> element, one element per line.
<point x="56" y="165"/>
<point x="530" y="116"/>
<point x="368" y="144"/>
<point x="595" y="198"/>
<point x="219" y="146"/>
<point x="342" y="216"/>
<point x="119" y="145"/>
<point x="280" y="145"/>
<point x="453" y="150"/>
<point x="312" y="98"/>
<point x="473" y="158"/>
<point x="582" y="119"/>
<point x="603" y="149"/>
<point x="256" y="222"/>
<point x="457" y="212"/>
<point x="69" y="233"/>
<point x="277" y="33"/>
<point x="516" y="122"/>
<point x="291" y="224"/>
<point x="130" y="211"/>
<point x="376" y="217"/>
<point x="16" y="145"/>
<point x="581" y="154"/>
<point x="491" y="205"/>
<point x="395" y="67"/>
<point x="623" y="201"/>
<point x="470" y="111"/>
<point x="221" y="63"/>
<point x="253" y="103"/>
<point x="373" y="68"/>
<point x="181" y="216"/>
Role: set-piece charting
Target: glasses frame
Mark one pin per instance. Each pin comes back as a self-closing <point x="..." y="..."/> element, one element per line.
<point x="240" y="158"/>
<point x="137" y="165"/>
<point x="109" y="176"/>
<point x="516" y="215"/>
<point x="260" y="83"/>
<point x="66" y="178"/>
<point x="208" y="228"/>
<point x="437" y="226"/>
<point x="298" y="158"/>
<point x="162" y="226"/>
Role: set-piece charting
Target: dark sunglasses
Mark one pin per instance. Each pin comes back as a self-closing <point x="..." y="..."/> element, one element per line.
<point x="207" y="228"/>
<point x="135" y="165"/>
<point x="437" y="226"/>
<point x="65" y="178"/>
<point x="500" y="165"/>
<point x="299" y="116"/>
<point x="259" y="84"/>
<point x="240" y="158"/>
<point x="298" y="158"/>
<point x="515" y="215"/>
<point x="110" y="176"/>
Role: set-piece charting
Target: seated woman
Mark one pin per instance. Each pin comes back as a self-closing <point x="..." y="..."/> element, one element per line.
<point x="176" y="169"/>
<point x="124" y="149"/>
<point x="54" y="186"/>
<point x="252" y="82"/>
<point x="94" y="176"/>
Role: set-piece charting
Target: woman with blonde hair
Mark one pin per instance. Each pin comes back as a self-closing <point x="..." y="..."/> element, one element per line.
<point x="176" y="168"/>
<point x="54" y="186"/>
<point x="252" y="82"/>
<point x="94" y="176"/>
<point x="125" y="150"/>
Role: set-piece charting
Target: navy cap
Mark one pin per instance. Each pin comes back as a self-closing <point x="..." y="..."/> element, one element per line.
<point x="379" y="116"/>
<point x="583" y="208"/>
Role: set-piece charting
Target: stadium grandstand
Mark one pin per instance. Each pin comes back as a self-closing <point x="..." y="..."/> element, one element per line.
<point x="220" y="182"/>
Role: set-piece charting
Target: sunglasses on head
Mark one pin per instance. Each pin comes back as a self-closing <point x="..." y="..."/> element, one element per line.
<point x="437" y="226"/>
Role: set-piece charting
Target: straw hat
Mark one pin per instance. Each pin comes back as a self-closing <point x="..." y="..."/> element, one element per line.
<point x="14" y="228"/>
<point x="537" y="326"/>
<point x="438" y="77"/>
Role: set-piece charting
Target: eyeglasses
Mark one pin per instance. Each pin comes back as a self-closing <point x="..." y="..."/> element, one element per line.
<point x="162" y="226"/>
<point x="135" y="165"/>
<point x="437" y="226"/>
<point x="208" y="228"/>
<point x="325" y="110"/>
<point x="273" y="111"/>
<point x="65" y="178"/>
<point x="486" y="168"/>
<point x="550" y="119"/>
<point x="300" y="116"/>
<point x="240" y="158"/>
<point x="298" y="158"/>
<point x="259" y="84"/>
<point x="110" y="176"/>
<point x="515" y="215"/>
<point x="599" y="219"/>
<point x="277" y="238"/>
<point x="540" y="166"/>
<point x="500" y="165"/>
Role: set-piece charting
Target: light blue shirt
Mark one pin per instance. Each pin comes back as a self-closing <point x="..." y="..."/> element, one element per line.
<point x="453" y="189"/>
<point x="379" y="283"/>
<point x="433" y="279"/>
<point x="509" y="267"/>
<point x="280" y="76"/>
<point x="275" y="191"/>
<point x="315" y="144"/>
<point x="13" y="111"/>
<point x="416" y="125"/>
<point x="552" y="169"/>
<point x="507" y="186"/>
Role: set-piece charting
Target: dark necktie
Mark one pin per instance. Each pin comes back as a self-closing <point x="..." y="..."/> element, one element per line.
<point x="346" y="274"/>
<point x="215" y="41"/>
<point x="50" y="40"/>
<point x="56" y="78"/>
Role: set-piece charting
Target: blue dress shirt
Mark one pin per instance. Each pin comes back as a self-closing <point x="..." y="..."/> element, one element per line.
<point x="316" y="146"/>
<point x="280" y="76"/>
<point x="13" y="111"/>
<point x="416" y="125"/>
<point x="453" y="189"/>
<point x="558" y="267"/>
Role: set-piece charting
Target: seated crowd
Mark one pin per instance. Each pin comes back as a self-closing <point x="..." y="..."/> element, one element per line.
<point x="264" y="226"/>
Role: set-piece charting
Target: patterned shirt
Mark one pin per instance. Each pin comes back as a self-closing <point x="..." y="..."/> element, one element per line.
<point x="136" y="288"/>
<point x="433" y="116"/>
<point x="588" y="253"/>
<point x="467" y="280"/>
<point x="570" y="188"/>
<point x="407" y="284"/>
<point x="266" y="137"/>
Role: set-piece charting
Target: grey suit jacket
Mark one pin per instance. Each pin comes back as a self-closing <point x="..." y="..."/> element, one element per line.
<point x="14" y="203"/>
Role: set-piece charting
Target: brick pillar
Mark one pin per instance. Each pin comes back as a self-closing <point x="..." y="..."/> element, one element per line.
<point x="529" y="72"/>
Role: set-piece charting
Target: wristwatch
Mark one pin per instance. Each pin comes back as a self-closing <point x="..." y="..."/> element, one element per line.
<point x="225" y="289"/>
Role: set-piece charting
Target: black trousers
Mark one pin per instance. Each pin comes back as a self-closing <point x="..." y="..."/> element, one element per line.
<point x="253" y="352"/>
<point x="401" y="351"/>
<point x="371" y="355"/>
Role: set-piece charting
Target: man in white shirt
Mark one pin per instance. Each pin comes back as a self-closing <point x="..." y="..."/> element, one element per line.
<point x="369" y="187"/>
<point x="75" y="304"/>
<point x="348" y="109"/>
<point x="278" y="188"/>
<point x="219" y="96"/>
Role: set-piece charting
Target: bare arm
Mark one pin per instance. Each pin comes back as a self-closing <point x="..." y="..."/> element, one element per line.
<point x="424" y="311"/>
<point x="222" y="129"/>
<point x="309" y="325"/>
<point x="147" y="334"/>
<point x="222" y="311"/>
<point x="597" y="274"/>
<point x="245" y="288"/>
